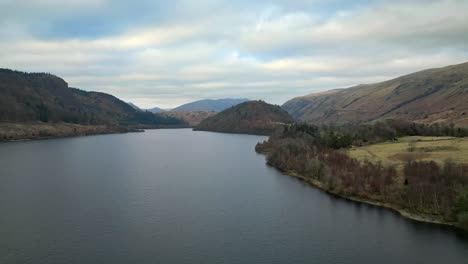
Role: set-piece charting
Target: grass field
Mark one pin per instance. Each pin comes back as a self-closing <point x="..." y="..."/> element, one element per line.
<point x="398" y="153"/>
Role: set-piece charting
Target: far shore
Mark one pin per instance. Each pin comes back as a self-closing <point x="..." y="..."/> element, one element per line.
<point x="20" y="132"/>
<point x="12" y="132"/>
<point x="17" y="132"/>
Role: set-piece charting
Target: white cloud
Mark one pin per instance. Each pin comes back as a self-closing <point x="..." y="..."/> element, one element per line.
<point x="273" y="52"/>
<point x="420" y="24"/>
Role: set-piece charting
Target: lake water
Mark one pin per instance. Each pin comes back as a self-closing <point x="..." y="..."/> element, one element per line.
<point x="177" y="196"/>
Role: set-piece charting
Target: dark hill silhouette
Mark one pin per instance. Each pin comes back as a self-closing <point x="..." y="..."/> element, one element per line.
<point x="252" y="117"/>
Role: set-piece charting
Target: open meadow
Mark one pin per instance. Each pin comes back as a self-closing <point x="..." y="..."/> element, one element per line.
<point x="404" y="149"/>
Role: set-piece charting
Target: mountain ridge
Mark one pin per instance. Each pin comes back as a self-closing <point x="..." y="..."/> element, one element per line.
<point x="430" y="96"/>
<point x="216" y="105"/>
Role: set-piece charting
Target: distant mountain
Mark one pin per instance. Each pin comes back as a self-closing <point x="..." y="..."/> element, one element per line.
<point x="210" y="105"/>
<point x="31" y="97"/>
<point x="134" y="106"/>
<point x="155" y="110"/>
<point x="192" y="118"/>
<point x="252" y="117"/>
<point x="430" y="96"/>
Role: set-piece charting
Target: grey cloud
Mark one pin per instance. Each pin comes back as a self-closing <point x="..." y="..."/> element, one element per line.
<point x="273" y="51"/>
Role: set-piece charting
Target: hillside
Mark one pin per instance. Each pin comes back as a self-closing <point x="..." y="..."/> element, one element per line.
<point x="155" y="110"/>
<point x="41" y="97"/>
<point x="209" y="105"/>
<point x="415" y="169"/>
<point x="252" y="117"/>
<point x="134" y="106"/>
<point x="192" y="118"/>
<point x="430" y="96"/>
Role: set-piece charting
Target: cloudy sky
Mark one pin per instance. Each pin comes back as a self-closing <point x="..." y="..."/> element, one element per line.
<point x="165" y="53"/>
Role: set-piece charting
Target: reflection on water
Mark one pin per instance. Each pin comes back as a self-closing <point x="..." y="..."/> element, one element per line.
<point x="177" y="196"/>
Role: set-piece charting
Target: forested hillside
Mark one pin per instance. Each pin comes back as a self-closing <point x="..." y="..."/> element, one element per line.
<point x="30" y="97"/>
<point x="252" y="117"/>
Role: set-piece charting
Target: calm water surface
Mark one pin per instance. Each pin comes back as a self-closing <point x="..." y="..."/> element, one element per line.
<point x="177" y="196"/>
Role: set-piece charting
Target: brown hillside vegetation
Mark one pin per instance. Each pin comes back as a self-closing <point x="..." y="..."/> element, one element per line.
<point x="252" y="117"/>
<point x="421" y="184"/>
<point x="430" y="96"/>
<point x="192" y="118"/>
<point x="40" y="130"/>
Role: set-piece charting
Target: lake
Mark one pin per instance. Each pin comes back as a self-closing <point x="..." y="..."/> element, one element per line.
<point x="178" y="196"/>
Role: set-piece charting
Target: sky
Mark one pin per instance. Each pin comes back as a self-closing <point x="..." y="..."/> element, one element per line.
<point x="166" y="53"/>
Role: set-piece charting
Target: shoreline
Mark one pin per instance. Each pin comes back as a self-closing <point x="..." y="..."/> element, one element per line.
<point x="21" y="132"/>
<point x="231" y="132"/>
<point x="402" y="212"/>
<point x="65" y="136"/>
<point x="312" y="182"/>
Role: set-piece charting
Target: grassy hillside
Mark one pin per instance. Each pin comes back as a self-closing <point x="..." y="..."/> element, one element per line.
<point x="398" y="153"/>
<point x="32" y="97"/>
<point x="253" y="117"/>
<point x="430" y="96"/>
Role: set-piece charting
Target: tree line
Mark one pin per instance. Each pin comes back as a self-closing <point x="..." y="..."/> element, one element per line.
<point x="32" y="97"/>
<point x="346" y="135"/>
<point x="424" y="187"/>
